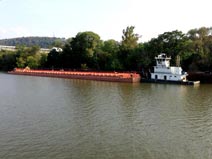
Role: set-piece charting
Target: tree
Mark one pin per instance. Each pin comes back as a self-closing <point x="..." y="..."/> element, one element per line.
<point x="54" y="59"/>
<point x="43" y="42"/>
<point x="32" y="62"/>
<point x="83" y="48"/>
<point x="7" y="60"/>
<point x="32" y="50"/>
<point x="43" y="60"/>
<point x="200" y="48"/>
<point x="20" y="62"/>
<point x="107" y="58"/>
<point x="128" y="44"/>
<point x="111" y="46"/>
<point x="129" y="39"/>
<point x="171" y="43"/>
<point x="28" y="56"/>
<point x="67" y="56"/>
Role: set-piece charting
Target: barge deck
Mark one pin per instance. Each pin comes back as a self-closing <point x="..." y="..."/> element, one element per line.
<point x="98" y="76"/>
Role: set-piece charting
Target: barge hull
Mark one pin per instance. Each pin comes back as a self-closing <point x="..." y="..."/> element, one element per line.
<point x="97" y="76"/>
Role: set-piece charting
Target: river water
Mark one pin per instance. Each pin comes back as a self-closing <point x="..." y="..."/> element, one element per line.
<point x="51" y="118"/>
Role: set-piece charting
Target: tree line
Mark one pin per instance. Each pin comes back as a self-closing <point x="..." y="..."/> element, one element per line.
<point x="191" y="50"/>
<point x="43" y="42"/>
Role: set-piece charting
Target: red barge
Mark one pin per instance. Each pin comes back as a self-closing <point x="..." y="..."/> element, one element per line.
<point x="98" y="76"/>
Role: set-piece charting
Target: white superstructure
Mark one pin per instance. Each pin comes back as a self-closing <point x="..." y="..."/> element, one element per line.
<point x="163" y="71"/>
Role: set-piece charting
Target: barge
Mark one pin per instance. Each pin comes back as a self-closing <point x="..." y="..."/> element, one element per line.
<point x="164" y="73"/>
<point x="98" y="76"/>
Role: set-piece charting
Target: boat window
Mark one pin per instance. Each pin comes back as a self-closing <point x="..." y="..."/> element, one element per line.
<point x="165" y="77"/>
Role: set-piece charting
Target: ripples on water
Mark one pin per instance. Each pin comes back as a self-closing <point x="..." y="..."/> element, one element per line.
<point x="60" y="118"/>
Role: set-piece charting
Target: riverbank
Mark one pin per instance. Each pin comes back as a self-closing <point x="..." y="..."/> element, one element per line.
<point x="98" y="76"/>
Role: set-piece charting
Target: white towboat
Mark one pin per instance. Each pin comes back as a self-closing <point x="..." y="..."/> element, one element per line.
<point x="164" y="73"/>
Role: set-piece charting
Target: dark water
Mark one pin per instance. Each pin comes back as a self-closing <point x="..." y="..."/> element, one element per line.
<point x="50" y="118"/>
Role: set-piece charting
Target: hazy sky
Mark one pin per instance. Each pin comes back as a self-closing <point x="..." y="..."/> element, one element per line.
<point x="107" y="18"/>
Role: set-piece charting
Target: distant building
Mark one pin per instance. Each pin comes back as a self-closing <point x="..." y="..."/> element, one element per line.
<point x="57" y="49"/>
<point x="9" y="48"/>
<point x="13" y="48"/>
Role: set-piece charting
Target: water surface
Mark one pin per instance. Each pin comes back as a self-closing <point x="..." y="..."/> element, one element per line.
<point x="46" y="118"/>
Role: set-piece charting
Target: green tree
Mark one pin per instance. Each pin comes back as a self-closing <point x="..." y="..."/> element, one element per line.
<point x="83" y="48"/>
<point x="116" y="65"/>
<point x="43" y="60"/>
<point x="32" y="62"/>
<point x="171" y="43"/>
<point x="54" y="59"/>
<point x="26" y="56"/>
<point x="32" y="50"/>
<point x="111" y="46"/>
<point x="129" y="39"/>
<point x="20" y="62"/>
<point x="58" y="43"/>
<point x="67" y="55"/>
<point x="7" y="60"/>
<point x="200" y="48"/>
<point x="21" y="51"/>
<point x="107" y="55"/>
<point x="128" y="44"/>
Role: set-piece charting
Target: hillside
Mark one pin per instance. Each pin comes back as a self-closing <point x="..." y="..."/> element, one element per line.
<point x="43" y="42"/>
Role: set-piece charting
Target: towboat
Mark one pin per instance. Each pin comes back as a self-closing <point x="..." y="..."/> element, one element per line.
<point x="164" y="73"/>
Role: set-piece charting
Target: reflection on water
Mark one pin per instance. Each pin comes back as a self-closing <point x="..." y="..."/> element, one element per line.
<point x="61" y="118"/>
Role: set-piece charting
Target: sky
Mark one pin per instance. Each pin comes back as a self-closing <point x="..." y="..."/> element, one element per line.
<point x="107" y="18"/>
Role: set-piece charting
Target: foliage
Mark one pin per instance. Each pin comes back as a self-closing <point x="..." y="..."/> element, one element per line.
<point x="32" y="62"/>
<point x="81" y="50"/>
<point x="171" y="43"/>
<point x="21" y="63"/>
<point x="193" y="51"/>
<point x="7" y="60"/>
<point x="53" y="59"/>
<point x="43" y="60"/>
<point x="200" y="48"/>
<point x="85" y="44"/>
<point x="43" y="42"/>
<point x="128" y="45"/>
<point x="107" y="54"/>
<point x="129" y="39"/>
<point x="27" y="56"/>
<point x="22" y="57"/>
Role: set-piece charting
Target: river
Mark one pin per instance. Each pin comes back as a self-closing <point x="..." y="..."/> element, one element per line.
<point x="52" y="118"/>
